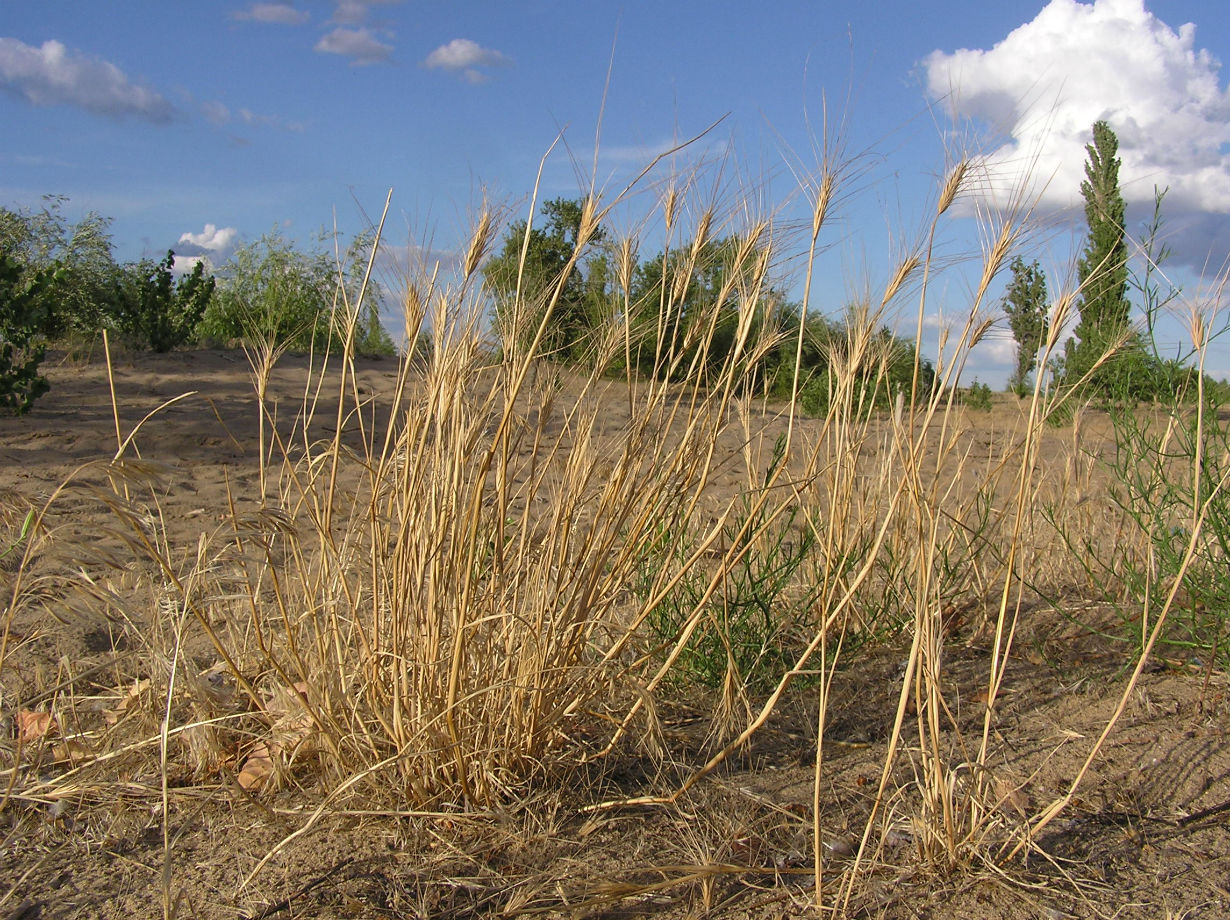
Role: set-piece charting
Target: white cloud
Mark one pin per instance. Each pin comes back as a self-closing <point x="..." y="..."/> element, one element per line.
<point x="53" y="75"/>
<point x="360" y="45"/>
<point x="354" y="12"/>
<point x="211" y="239"/>
<point x="219" y="114"/>
<point x="350" y="12"/>
<point x="998" y="349"/>
<point x="1045" y="84"/>
<point x="248" y="117"/>
<point x="183" y="265"/>
<point x="278" y="13"/>
<point x="464" y="57"/>
<point x="215" y="112"/>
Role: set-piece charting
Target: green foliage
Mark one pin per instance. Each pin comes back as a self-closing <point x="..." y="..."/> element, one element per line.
<point x="1026" y="304"/>
<point x="749" y="629"/>
<point x="685" y="313"/>
<point x="25" y="298"/>
<point x="1167" y="475"/>
<point x="1102" y="272"/>
<point x="1171" y="475"/>
<point x="535" y="266"/>
<point x="271" y="291"/>
<point x="76" y="259"/>
<point x="978" y="397"/>
<point x="681" y="315"/>
<point x="819" y="336"/>
<point x="155" y="312"/>
<point x="1137" y="371"/>
<point x="1173" y="493"/>
<point x="23" y="533"/>
<point x="1144" y="374"/>
<point x="371" y="340"/>
<point x="886" y="369"/>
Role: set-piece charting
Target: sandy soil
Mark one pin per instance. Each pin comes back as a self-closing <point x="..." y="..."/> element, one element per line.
<point x="1147" y="835"/>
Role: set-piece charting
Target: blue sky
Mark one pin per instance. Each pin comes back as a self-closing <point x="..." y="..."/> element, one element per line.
<point x="199" y="125"/>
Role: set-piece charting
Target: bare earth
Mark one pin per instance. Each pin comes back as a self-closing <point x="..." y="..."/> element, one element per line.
<point x="1147" y="835"/>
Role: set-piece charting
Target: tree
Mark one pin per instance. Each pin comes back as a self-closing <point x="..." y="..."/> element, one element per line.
<point x="1025" y="302"/>
<point x="155" y="312"/>
<point x="523" y="286"/>
<point x="688" y="300"/>
<point x="1103" y="269"/>
<point x="76" y="259"/>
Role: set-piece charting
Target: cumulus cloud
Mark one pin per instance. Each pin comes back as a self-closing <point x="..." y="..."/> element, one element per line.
<point x="360" y="45"/>
<point x="998" y="348"/>
<point x="210" y="240"/>
<point x="184" y="265"/>
<point x="464" y="57"/>
<point x="277" y="13"/>
<point x="1044" y="85"/>
<point x="51" y="74"/>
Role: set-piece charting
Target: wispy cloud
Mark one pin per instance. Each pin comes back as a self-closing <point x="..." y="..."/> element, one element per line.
<point x="219" y="114"/>
<point x="464" y="57"/>
<point x="355" y="12"/>
<point x="248" y="117"/>
<point x="277" y="13"/>
<point x="360" y="45"/>
<point x="216" y="113"/>
<point x="52" y="74"/>
<point x="1044" y="85"/>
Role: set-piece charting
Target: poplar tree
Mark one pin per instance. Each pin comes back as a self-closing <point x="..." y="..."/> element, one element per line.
<point x="1103" y="270"/>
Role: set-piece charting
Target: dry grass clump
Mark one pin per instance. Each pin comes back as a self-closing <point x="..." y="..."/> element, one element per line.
<point x="442" y="602"/>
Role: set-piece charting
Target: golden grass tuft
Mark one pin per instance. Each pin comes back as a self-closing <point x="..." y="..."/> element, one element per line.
<point x="429" y="608"/>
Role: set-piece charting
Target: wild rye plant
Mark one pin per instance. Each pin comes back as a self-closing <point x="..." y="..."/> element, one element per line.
<point x="430" y="606"/>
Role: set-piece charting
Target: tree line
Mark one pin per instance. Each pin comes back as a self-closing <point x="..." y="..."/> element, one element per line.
<point x="673" y="315"/>
<point x="60" y="284"/>
<point x="1108" y="355"/>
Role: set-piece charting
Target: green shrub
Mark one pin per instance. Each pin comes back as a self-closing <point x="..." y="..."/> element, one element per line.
<point x="78" y="269"/>
<point x="749" y="629"/>
<point x="978" y="397"/>
<point x="270" y="291"/>
<point x="155" y="312"/>
<point x="1167" y="472"/>
<point x="814" y="394"/>
<point x="24" y="312"/>
<point x="885" y="369"/>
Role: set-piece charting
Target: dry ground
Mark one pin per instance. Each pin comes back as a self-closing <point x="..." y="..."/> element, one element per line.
<point x="1147" y="836"/>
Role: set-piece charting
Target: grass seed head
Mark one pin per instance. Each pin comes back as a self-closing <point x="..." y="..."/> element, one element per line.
<point x="480" y="243"/>
<point x="952" y="186"/>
